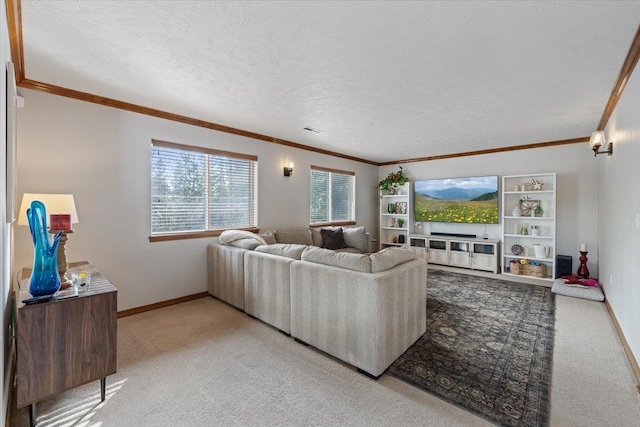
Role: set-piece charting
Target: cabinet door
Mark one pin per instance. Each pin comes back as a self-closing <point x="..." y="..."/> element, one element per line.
<point x="459" y="258"/>
<point x="484" y="262"/>
<point x="437" y="256"/>
<point x="421" y="252"/>
<point x="459" y="253"/>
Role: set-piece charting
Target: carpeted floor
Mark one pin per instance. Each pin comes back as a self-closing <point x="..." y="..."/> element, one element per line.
<point x="204" y="363"/>
<point x="488" y="348"/>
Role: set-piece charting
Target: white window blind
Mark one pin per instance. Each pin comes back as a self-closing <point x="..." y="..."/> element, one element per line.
<point x="332" y="195"/>
<point x="196" y="189"/>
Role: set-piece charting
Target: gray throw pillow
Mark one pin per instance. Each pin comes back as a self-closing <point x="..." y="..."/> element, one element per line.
<point x="333" y="239"/>
<point x="356" y="237"/>
<point x="316" y="236"/>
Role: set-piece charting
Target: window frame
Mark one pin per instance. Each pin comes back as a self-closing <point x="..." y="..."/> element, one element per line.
<point x="352" y="196"/>
<point x="212" y="232"/>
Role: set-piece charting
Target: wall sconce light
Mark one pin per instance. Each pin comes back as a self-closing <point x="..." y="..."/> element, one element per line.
<point x="597" y="140"/>
<point x="288" y="170"/>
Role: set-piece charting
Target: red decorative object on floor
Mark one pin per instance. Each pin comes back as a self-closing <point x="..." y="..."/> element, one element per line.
<point x="577" y="280"/>
<point x="583" y="271"/>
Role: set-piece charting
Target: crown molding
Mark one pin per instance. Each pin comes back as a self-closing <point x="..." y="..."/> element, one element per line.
<point x="114" y="103"/>
<point x="489" y="151"/>
<point x="623" y="77"/>
<point x="14" y="24"/>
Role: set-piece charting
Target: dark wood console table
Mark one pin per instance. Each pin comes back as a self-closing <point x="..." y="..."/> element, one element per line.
<point x="65" y="342"/>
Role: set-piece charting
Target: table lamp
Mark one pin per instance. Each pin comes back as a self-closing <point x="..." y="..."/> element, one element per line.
<point x="62" y="213"/>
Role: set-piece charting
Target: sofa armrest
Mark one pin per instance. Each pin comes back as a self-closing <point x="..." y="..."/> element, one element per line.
<point x="225" y="275"/>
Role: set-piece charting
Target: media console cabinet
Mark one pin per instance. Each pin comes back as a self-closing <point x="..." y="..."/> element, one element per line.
<point x="465" y="252"/>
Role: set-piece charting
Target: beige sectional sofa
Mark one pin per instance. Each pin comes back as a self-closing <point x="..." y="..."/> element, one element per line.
<point x="365" y="309"/>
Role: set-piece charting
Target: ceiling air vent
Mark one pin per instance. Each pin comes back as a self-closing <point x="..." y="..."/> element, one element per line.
<point x="314" y="130"/>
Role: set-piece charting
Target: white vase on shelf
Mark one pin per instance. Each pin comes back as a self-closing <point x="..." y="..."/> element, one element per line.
<point x="516" y="211"/>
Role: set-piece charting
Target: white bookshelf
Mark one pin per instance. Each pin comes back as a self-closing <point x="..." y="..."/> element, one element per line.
<point x="389" y="222"/>
<point x="514" y="189"/>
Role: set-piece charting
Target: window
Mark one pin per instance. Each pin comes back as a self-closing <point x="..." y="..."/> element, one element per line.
<point x="332" y="196"/>
<point x="196" y="189"/>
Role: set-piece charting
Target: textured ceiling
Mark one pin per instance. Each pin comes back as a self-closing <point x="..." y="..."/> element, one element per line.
<point x="384" y="80"/>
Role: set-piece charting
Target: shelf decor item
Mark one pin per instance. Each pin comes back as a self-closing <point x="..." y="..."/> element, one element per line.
<point x="536" y="185"/>
<point x="528" y="206"/>
<point x="45" y="279"/>
<point x="391" y="208"/>
<point x="400" y="222"/>
<point x="394" y="179"/>
<point x="538" y="211"/>
<point x="516" y="211"/>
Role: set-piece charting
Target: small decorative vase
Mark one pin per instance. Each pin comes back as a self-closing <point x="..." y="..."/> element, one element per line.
<point x="538" y="211"/>
<point x="45" y="279"/>
<point x="516" y="211"/>
<point x="391" y="208"/>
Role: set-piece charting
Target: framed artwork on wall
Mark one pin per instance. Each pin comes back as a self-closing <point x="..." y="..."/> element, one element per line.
<point x="11" y="143"/>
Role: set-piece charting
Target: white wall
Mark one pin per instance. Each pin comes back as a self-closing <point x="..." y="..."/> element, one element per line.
<point x="619" y="205"/>
<point x="5" y="229"/>
<point x="577" y="204"/>
<point x="102" y="156"/>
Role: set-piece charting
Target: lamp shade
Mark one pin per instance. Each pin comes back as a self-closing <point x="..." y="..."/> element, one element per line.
<point x="597" y="140"/>
<point x="54" y="204"/>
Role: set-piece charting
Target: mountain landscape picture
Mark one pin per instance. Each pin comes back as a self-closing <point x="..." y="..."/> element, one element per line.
<point x="472" y="200"/>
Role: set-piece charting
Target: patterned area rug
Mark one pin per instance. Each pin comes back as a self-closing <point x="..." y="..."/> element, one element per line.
<point x="488" y="348"/>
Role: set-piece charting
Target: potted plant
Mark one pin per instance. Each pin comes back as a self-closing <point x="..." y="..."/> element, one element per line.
<point x="393" y="180"/>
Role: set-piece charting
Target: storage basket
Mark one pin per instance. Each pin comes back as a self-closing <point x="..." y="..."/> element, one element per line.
<point x="539" y="271"/>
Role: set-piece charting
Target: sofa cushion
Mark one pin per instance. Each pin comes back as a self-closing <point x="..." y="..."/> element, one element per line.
<point x="356" y="237"/>
<point x="333" y="238"/>
<point x="349" y="250"/>
<point x="241" y="239"/>
<point x="388" y="258"/>
<point x="283" y="249"/>
<point x="250" y="244"/>
<point x="269" y="237"/>
<point x="316" y="237"/>
<point x="356" y="262"/>
<point x="296" y="237"/>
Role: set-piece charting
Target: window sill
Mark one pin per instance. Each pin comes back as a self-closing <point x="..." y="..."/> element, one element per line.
<point x="194" y="235"/>
<point x="333" y="224"/>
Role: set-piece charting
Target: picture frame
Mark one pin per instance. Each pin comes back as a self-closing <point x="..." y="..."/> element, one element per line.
<point x="401" y="208"/>
<point x="11" y="149"/>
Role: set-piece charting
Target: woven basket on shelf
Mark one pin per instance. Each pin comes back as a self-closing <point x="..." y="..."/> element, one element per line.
<point x="528" y="269"/>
